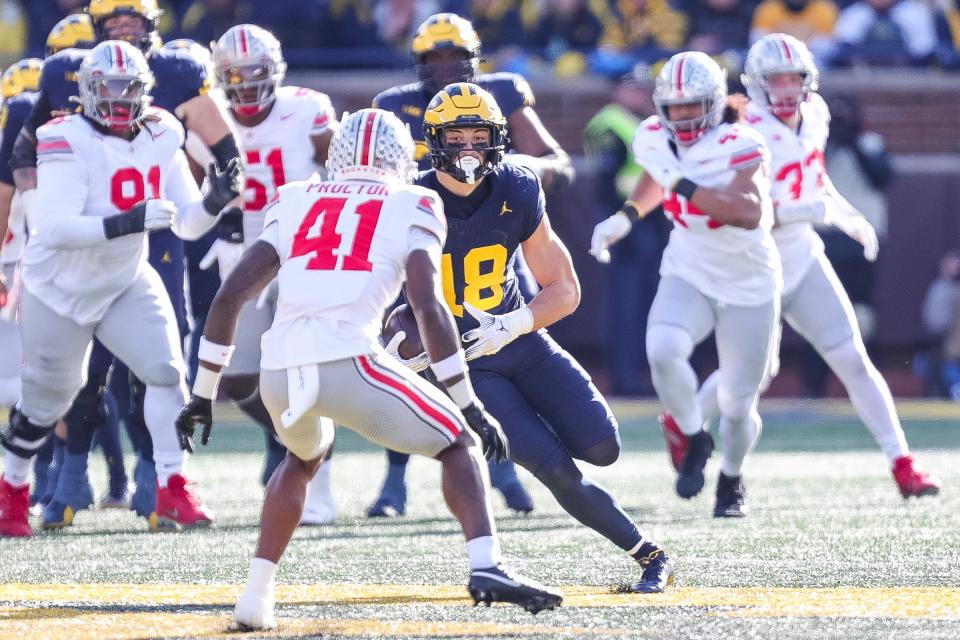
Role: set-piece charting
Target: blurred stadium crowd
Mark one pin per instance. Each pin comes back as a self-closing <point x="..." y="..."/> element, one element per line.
<point x="564" y="38"/>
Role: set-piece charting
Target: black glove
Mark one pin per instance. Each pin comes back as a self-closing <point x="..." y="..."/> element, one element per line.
<point x="230" y="226"/>
<point x="196" y="411"/>
<point x="492" y="439"/>
<point x="224" y="186"/>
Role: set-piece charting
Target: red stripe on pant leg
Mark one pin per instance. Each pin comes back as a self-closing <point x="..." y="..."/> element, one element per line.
<point x="413" y="394"/>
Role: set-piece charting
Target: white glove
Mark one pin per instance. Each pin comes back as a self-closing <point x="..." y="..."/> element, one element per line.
<point x="159" y="214"/>
<point x="416" y="364"/>
<point x="607" y="233"/>
<point x="225" y="254"/>
<point x="812" y="211"/>
<point x="860" y="229"/>
<point x="495" y="332"/>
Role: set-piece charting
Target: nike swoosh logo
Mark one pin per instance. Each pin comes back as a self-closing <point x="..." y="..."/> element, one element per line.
<point x="285" y="116"/>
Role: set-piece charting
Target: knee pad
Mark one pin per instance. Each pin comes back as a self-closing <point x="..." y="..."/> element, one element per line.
<point x="23" y="436"/>
<point x="667" y="344"/>
<point x="735" y="407"/>
<point x="162" y="374"/>
<point x="602" y="454"/>
<point x="309" y="437"/>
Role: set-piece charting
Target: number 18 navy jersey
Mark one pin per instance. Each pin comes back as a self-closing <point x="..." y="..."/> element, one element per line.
<point x="484" y="230"/>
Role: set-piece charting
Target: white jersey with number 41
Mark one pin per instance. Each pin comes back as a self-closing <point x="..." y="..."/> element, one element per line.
<point x="343" y="247"/>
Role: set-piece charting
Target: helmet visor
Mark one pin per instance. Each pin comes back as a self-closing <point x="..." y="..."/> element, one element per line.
<point x="248" y="87"/>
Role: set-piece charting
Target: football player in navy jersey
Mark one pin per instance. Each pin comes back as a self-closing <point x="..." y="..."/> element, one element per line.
<point x="549" y="408"/>
<point x="446" y="49"/>
<point x="181" y="87"/>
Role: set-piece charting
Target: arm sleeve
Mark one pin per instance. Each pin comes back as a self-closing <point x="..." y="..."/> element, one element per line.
<point x="61" y="196"/>
<point x="192" y="220"/>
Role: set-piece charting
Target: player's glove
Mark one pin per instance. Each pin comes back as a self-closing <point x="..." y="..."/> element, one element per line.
<point x="224" y="186"/>
<point x="495" y="332"/>
<point x="227" y="249"/>
<point x="148" y="215"/>
<point x="493" y="442"/>
<point x="607" y="233"/>
<point x="416" y="364"/>
<point x="197" y="411"/>
<point x="860" y="229"/>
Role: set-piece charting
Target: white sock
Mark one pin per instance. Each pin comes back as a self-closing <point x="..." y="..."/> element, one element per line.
<point x="17" y="469"/>
<point x="319" y="495"/>
<point x="869" y="395"/>
<point x="484" y="552"/>
<point x="160" y="408"/>
<point x="737" y="438"/>
<point x="260" y="578"/>
<point x="668" y="350"/>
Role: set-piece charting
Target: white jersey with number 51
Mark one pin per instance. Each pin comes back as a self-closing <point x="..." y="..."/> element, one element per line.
<point x="343" y="247"/>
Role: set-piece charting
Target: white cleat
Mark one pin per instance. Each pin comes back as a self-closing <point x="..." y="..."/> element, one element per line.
<point x="320" y="508"/>
<point x="254" y="611"/>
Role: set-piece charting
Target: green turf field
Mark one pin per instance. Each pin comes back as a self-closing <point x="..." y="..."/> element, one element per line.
<point x="830" y="551"/>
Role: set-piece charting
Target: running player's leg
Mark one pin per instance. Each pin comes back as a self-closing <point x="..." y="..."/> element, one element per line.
<point x="681" y="317"/>
<point x="150" y="346"/>
<point x="55" y="355"/>
<point x="745" y="337"/>
<point x="820" y="311"/>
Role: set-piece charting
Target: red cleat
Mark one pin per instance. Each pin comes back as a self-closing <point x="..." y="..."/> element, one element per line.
<point x="912" y="482"/>
<point x="14" y="508"/>
<point x="677" y="442"/>
<point x="178" y="507"/>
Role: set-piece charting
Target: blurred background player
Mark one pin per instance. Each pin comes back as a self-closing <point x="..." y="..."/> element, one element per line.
<point x="182" y="88"/>
<point x="632" y="278"/>
<point x="547" y="404"/>
<point x="720" y="270"/>
<point x="285" y="132"/>
<point x="322" y="361"/>
<point x="446" y="49"/>
<point x="785" y="108"/>
<point x="87" y="219"/>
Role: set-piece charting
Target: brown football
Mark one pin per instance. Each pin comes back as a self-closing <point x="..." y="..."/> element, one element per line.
<point x="402" y="319"/>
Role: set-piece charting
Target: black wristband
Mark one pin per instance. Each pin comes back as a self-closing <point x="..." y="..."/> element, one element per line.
<point x="686" y="188"/>
<point x="124" y="224"/>
<point x="630" y="210"/>
<point x="230" y="226"/>
<point x="225" y="150"/>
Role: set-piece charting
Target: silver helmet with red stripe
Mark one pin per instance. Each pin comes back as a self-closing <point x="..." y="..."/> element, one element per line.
<point x="115" y="82"/>
<point x="779" y="73"/>
<point x="372" y="144"/>
<point x="690" y="78"/>
<point x="249" y="67"/>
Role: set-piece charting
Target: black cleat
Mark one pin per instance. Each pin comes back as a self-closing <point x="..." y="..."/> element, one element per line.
<point x="730" y="498"/>
<point x="501" y="584"/>
<point x="690" y="474"/>
<point x="657" y="573"/>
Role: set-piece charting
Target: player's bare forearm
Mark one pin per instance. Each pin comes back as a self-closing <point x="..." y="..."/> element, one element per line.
<point x="206" y="118"/>
<point x="647" y="195"/>
<point x="321" y="144"/>
<point x="425" y="297"/>
<point x="552" y="266"/>
<point x="258" y="266"/>
<point x="738" y="204"/>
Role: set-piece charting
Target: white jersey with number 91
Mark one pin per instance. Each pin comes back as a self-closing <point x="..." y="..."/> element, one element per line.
<point x="343" y="247"/>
